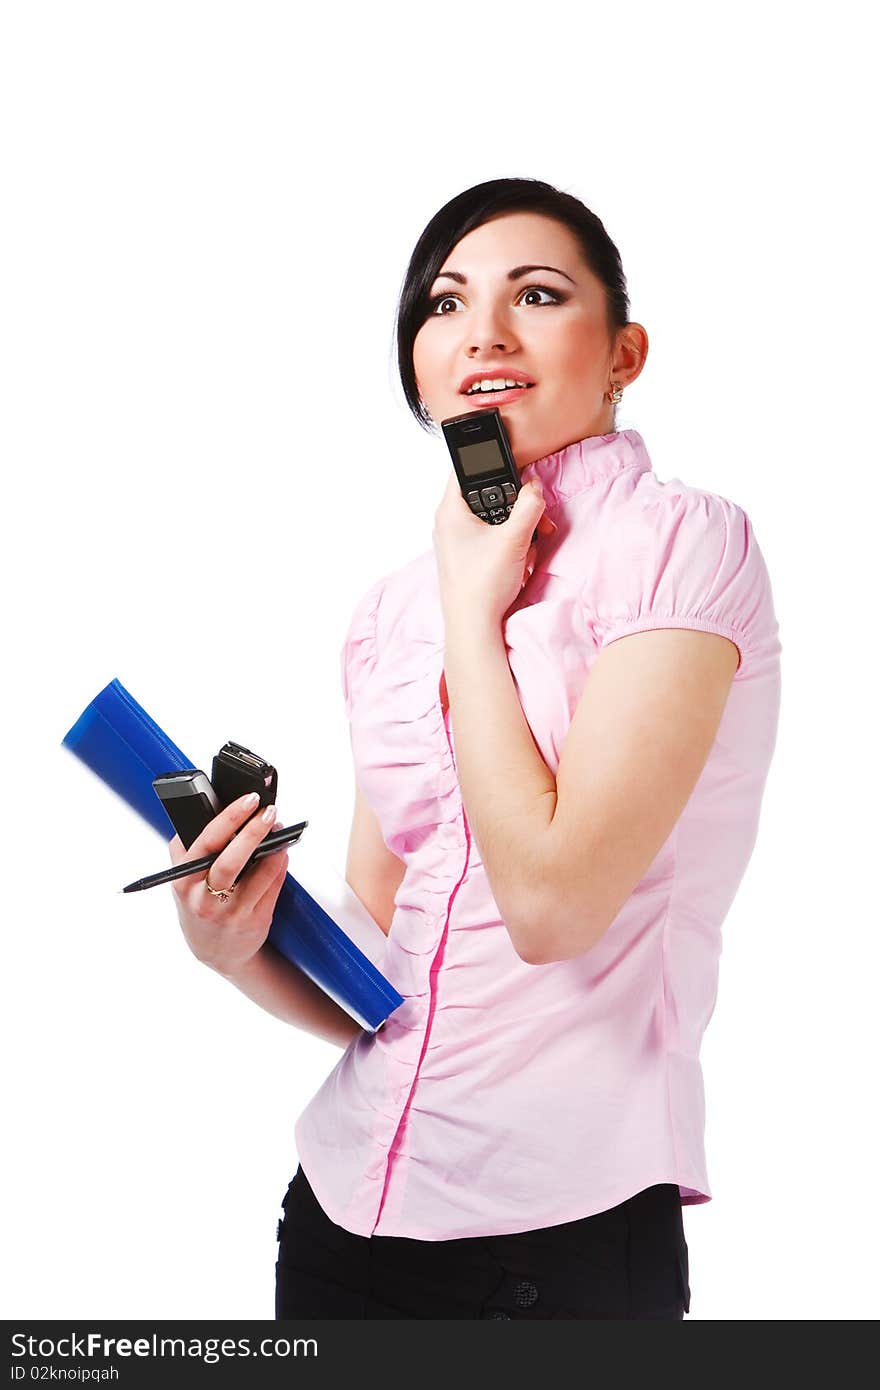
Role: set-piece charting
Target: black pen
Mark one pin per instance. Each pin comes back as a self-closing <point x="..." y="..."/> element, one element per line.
<point x="276" y="840"/>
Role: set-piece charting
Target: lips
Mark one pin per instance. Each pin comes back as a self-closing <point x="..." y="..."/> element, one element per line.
<point x="489" y="398"/>
<point x="495" y="374"/>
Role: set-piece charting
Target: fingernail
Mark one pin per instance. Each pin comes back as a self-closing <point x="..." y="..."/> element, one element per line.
<point x="268" y="815"/>
<point x="250" y="800"/>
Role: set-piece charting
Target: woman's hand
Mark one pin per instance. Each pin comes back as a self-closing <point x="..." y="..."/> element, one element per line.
<point x="481" y="568"/>
<point x="226" y="935"/>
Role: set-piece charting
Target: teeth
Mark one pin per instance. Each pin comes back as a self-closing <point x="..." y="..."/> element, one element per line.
<point x="493" y="384"/>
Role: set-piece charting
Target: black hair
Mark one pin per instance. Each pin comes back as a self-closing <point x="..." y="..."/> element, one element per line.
<point x="471" y="209"/>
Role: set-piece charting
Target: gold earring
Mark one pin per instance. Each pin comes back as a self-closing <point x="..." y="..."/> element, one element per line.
<point x="616" y="395"/>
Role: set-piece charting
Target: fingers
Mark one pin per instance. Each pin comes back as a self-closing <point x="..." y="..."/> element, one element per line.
<point x="256" y="887"/>
<point x="544" y="526"/>
<point x="230" y="862"/>
<point x="531" y="557"/>
<point x="268" y="894"/>
<point x="217" y="832"/>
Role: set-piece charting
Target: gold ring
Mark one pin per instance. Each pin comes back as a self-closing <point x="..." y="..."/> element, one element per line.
<point x="224" y="894"/>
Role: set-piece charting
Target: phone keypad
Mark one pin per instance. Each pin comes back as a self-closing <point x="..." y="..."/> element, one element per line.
<point x="493" y="504"/>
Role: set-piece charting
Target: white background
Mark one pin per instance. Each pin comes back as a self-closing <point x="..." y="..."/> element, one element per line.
<point x="209" y="209"/>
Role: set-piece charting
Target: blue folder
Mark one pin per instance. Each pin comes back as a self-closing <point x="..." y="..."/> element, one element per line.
<point x="119" y="742"/>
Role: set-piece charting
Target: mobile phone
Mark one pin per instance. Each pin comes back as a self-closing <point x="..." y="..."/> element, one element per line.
<point x="484" y="463"/>
<point x="237" y="770"/>
<point x="190" y="802"/>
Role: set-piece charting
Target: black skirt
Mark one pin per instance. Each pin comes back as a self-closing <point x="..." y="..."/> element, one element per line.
<point x="630" y="1261"/>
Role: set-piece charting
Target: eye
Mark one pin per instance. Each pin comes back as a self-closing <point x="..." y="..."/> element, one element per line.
<point x="441" y="299"/>
<point x="541" y="289"/>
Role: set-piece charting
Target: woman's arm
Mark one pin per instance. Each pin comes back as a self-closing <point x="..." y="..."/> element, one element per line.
<point x="281" y="989"/>
<point x="372" y="870"/>
<point x="508" y="791"/>
<point x="638" y="741"/>
<point x="269" y="979"/>
<point x="563" y="854"/>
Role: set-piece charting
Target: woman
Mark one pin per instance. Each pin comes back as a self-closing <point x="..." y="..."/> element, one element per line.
<point x="550" y="825"/>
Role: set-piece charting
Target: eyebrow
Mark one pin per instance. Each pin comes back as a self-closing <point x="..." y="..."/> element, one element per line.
<point x="515" y="274"/>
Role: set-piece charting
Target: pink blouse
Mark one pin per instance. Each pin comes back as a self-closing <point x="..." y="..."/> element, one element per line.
<point x="502" y="1096"/>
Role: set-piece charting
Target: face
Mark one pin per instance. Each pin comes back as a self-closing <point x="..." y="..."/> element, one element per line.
<point x="547" y="325"/>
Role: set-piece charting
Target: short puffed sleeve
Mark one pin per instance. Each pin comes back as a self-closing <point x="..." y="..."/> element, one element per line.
<point x="358" y="653"/>
<point x="684" y="558"/>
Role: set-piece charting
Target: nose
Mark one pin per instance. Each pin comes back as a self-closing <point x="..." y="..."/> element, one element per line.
<point x="489" y="331"/>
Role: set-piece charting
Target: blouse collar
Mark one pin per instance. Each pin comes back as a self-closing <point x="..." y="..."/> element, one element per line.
<point x="584" y="463"/>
